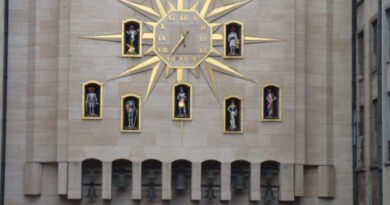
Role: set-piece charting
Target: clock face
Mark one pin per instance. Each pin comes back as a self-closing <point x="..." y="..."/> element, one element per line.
<point x="182" y="39"/>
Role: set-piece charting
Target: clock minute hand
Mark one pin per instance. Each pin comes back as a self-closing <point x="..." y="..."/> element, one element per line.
<point x="178" y="43"/>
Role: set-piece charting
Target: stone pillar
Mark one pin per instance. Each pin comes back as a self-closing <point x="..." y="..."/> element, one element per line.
<point x="166" y="177"/>
<point x="136" y="191"/>
<point x="75" y="180"/>
<point x="286" y="182"/>
<point x="254" y="181"/>
<point x="106" y="180"/>
<point x="32" y="179"/>
<point x="196" y="181"/>
<point x="62" y="178"/>
<point x="326" y="177"/>
<point x="226" y="194"/>
<point x="299" y="180"/>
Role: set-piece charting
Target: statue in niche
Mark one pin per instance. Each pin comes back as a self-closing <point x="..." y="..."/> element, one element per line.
<point x="181" y="101"/>
<point x="232" y="109"/>
<point x="133" y="33"/>
<point x="233" y="116"/>
<point x="271" y="103"/>
<point x="91" y="102"/>
<point x="271" y="98"/>
<point x="132" y="112"/>
<point x="234" y="41"/>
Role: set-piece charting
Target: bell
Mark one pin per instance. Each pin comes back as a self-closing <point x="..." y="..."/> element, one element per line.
<point x="151" y="194"/>
<point x="239" y="182"/>
<point x="269" y="194"/>
<point x="91" y="191"/>
<point x="122" y="181"/>
<point x="181" y="182"/>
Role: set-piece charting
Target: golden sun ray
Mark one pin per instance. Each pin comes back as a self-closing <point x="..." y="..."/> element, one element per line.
<point x="171" y="6"/>
<point x="153" y="79"/>
<point x="150" y="51"/>
<point x="205" y="8"/>
<point x="225" y="69"/>
<point x="212" y="80"/>
<point x="161" y="8"/>
<point x="214" y="51"/>
<point x="144" y="66"/>
<point x="195" y="6"/>
<point x="147" y="11"/>
<point x="168" y="71"/>
<point x="110" y="37"/>
<point x="221" y="11"/>
<point x="180" y="5"/>
<point x="251" y="39"/>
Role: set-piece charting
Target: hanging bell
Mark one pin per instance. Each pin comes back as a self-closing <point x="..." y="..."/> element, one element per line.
<point x="239" y="183"/>
<point x="269" y="194"/>
<point x="122" y="181"/>
<point x="181" y="182"/>
<point x="91" y="191"/>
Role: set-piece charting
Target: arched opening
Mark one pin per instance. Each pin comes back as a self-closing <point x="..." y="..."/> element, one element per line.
<point x="91" y="178"/>
<point x="151" y="179"/>
<point x="240" y="176"/>
<point x="270" y="182"/>
<point x="121" y="175"/>
<point x="211" y="180"/>
<point x="181" y="181"/>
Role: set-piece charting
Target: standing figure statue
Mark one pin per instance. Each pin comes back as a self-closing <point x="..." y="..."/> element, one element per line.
<point x="132" y="33"/>
<point x="234" y="41"/>
<point x="91" y="101"/>
<point x="270" y="98"/>
<point x="131" y="114"/>
<point x="232" y="109"/>
<point x="181" y="100"/>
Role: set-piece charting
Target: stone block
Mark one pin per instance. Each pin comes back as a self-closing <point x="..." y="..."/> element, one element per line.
<point x="299" y="180"/>
<point x="326" y="181"/>
<point x="286" y="182"/>
<point x="107" y="178"/>
<point x="166" y="181"/>
<point x="226" y="194"/>
<point x="32" y="179"/>
<point x="75" y="180"/>
<point x="255" y="182"/>
<point x="196" y="180"/>
<point x="62" y="178"/>
<point x="136" y="192"/>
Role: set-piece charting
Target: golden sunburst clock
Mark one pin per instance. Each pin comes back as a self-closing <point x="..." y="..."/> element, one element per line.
<point x="183" y="39"/>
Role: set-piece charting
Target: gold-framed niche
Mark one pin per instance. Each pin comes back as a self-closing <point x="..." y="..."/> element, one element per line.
<point x="92" y="100"/>
<point x="233" y="46"/>
<point x="271" y="103"/>
<point x="131" y="110"/>
<point x="233" y="115"/>
<point x="182" y="102"/>
<point x="132" y="38"/>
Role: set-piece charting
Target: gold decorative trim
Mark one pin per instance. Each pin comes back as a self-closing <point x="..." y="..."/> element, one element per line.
<point x="173" y="102"/>
<point x="139" y="113"/>
<point x="241" y="131"/>
<point x="279" y="100"/>
<point x="84" y="85"/>
<point x="242" y="36"/>
<point x="140" y="37"/>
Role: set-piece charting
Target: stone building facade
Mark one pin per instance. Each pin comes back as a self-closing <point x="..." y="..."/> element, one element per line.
<point x="54" y="156"/>
<point x="373" y="100"/>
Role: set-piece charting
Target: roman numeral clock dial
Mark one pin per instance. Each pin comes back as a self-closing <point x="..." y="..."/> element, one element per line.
<point x="182" y="39"/>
